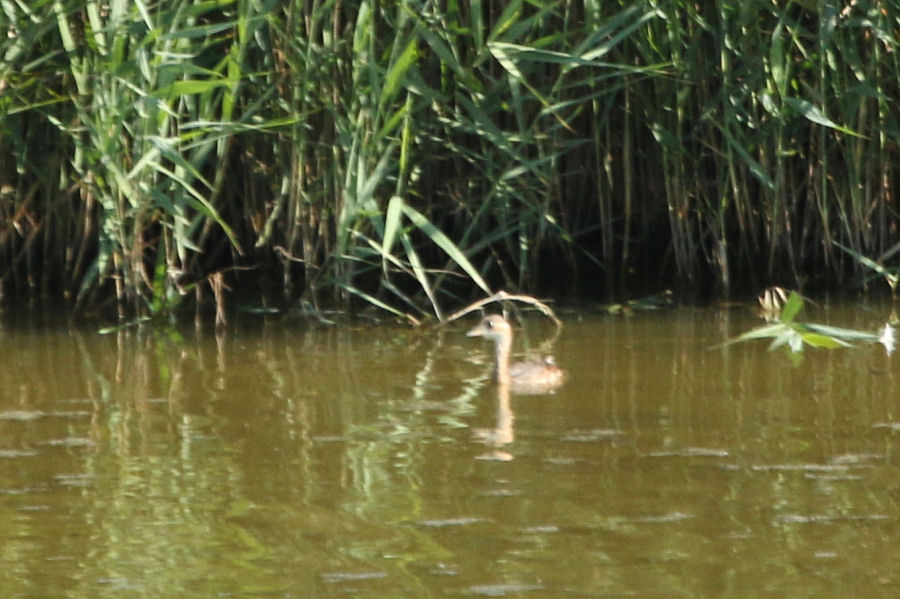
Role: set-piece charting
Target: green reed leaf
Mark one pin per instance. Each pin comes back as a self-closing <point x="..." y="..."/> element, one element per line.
<point x="440" y="239"/>
<point x="815" y="115"/>
<point x="792" y="307"/>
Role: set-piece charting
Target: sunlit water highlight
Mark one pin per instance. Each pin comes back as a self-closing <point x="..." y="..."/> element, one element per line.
<point x="284" y="459"/>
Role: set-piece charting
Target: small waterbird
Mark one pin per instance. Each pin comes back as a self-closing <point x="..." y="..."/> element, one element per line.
<point x="535" y="376"/>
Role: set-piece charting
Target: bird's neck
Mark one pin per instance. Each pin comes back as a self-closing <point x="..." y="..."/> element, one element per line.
<point x="501" y="359"/>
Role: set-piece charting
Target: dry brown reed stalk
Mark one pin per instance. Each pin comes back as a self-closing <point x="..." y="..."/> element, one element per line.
<point x="503" y="296"/>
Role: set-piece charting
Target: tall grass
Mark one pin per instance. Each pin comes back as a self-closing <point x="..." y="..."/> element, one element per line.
<point x="782" y="145"/>
<point x="411" y="154"/>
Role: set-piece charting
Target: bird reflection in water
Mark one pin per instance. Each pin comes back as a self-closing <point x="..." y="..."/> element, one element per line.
<point x="503" y="433"/>
<point x="528" y="377"/>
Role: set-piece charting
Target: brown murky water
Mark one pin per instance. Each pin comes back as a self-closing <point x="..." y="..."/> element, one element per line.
<point x="288" y="460"/>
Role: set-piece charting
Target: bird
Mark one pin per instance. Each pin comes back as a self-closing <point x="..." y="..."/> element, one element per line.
<point x="534" y="376"/>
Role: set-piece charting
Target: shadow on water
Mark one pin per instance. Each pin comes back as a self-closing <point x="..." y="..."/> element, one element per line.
<point x="289" y="460"/>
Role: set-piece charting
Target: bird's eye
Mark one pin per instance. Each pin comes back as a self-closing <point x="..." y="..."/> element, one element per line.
<point x="490" y="324"/>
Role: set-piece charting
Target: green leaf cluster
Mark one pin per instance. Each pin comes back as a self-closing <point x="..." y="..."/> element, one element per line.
<point x="787" y="332"/>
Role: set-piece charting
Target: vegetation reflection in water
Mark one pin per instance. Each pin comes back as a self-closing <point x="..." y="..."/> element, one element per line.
<point x="294" y="461"/>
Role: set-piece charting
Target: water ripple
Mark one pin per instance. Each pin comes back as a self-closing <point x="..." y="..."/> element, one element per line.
<point x="589" y="435"/>
<point x="500" y="590"/>
<point x="691" y="452"/>
<point x="807" y="467"/>
<point x="815" y="518"/>
<point x="71" y="442"/>
<point x="352" y="576"/>
<point x="17" y="453"/>
<point x="23" y="415"/>
<point x="442" y="522"/>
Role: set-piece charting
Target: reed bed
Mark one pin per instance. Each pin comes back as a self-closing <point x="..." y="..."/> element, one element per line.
<point x="410" y="155"/>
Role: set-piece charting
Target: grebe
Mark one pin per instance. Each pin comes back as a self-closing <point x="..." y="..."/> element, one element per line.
<point x="522" y="377"/>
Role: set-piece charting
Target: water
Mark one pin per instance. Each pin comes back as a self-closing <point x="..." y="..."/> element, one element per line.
<point x="284" y="459"/>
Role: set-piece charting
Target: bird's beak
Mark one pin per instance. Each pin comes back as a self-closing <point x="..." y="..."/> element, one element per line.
<point x="478" y="331"/>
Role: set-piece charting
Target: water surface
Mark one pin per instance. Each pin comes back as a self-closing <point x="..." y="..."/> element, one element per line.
<point x="288" y="459"/>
